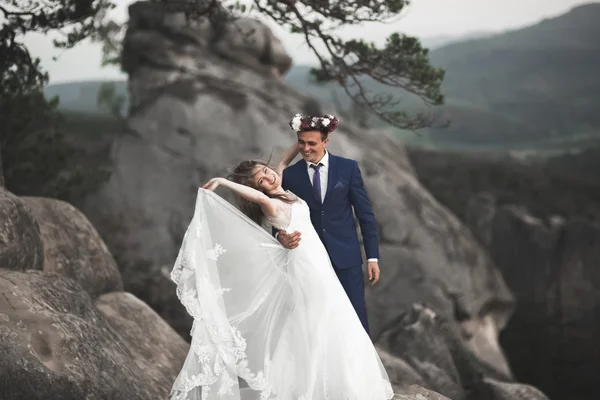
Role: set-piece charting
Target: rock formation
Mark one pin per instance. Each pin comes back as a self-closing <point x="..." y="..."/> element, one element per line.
<point x="425" y="349"/>
<point x="552" y="267"/>
<point x="67" y="328"/>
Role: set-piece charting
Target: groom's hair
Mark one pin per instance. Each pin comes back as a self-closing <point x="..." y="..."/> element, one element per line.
<point x="243" y="174"/>
<point x="324" y="135"/>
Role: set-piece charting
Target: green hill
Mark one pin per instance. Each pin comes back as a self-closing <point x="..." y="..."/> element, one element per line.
<point x="536" y="83"/>
<point x="536" y="87"/>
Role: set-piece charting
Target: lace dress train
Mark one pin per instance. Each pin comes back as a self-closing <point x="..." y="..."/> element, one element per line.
<point x="269" y="323"/>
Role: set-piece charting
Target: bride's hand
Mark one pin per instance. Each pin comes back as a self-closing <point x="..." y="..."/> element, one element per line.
<point x="212" y="184"/>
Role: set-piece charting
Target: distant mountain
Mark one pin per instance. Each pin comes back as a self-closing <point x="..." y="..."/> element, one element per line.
<point x="538" y="82"/>
<point x="535" y="86"/>
<point x="434" y="42"/>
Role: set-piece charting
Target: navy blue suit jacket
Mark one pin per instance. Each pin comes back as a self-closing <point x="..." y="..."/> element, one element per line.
<point x="334" y="220"/>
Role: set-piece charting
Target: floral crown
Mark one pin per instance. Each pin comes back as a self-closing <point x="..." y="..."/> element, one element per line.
<point x="325" y="124"/>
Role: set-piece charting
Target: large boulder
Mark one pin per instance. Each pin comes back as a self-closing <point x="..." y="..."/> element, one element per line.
<point x="423" y="349"/>
<point x="195" y="114"/>
<point x="552" y="267"/>
<point x="55" y="343"/>
<point x="72" y="246"/>
<point x="67" y="330"/>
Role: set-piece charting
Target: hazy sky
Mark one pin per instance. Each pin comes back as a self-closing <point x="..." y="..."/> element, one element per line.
<point x="423" y="18"/>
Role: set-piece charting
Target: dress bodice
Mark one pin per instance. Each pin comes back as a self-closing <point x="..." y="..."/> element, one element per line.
<point x="289" y="216"/>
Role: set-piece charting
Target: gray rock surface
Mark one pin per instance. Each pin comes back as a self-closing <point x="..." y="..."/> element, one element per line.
<point x="414" y="392"/>
<point x="552" y="267"/>
<point x="425" y="349"/>
<point x="67" y="331"/>
<point x="73" y="247"/>
<point x="195" y="114"/>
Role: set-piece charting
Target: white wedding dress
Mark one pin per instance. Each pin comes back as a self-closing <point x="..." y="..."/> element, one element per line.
<point x="269" y="323"/>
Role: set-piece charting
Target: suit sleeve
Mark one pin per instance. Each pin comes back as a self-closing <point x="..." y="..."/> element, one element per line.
<point x="364" y="212"/>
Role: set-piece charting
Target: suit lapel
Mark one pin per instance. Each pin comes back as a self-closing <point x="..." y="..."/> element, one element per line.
<point x="331" y="176"/>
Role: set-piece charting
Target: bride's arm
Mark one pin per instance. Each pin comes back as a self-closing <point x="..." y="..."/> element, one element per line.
<point x="267" y="204"/>
<point x="286" y="158"/>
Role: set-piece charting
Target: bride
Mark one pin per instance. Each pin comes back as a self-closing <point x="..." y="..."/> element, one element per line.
<point x="269" y="323"/>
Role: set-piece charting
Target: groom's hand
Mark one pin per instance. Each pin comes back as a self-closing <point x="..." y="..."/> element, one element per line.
<point x="289" y="241"/>
<point x="373" y="270"/>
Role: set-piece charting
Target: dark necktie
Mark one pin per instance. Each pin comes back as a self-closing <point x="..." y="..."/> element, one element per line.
<point x="317" y="181"/>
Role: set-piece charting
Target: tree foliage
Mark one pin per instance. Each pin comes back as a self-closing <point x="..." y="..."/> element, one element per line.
<point x="401" y="63"/>
<point x="36" y="158"/>
<point x="74" y="19"/>
<point x="352" y="112"/>
<point x="110" y="100"/>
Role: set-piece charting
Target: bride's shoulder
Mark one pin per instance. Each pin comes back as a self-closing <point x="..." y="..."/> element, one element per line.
<point x="291" y="195"/>
<point x="286" y="201"/>
<point x="282" y="212"/>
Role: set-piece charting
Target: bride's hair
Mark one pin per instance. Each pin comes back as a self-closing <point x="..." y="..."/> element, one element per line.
<point x="244" y="175"/>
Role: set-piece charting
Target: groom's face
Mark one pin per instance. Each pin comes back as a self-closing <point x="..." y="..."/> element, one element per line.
<point x="312" y="146"/>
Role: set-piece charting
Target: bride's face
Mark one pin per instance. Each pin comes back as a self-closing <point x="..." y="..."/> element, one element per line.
<point x="266" y="179"/>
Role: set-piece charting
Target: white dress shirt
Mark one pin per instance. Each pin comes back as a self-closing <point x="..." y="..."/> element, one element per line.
<point x="323" y="172"/>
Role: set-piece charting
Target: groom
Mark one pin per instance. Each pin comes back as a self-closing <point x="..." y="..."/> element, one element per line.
<point x="332" y="187"/>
